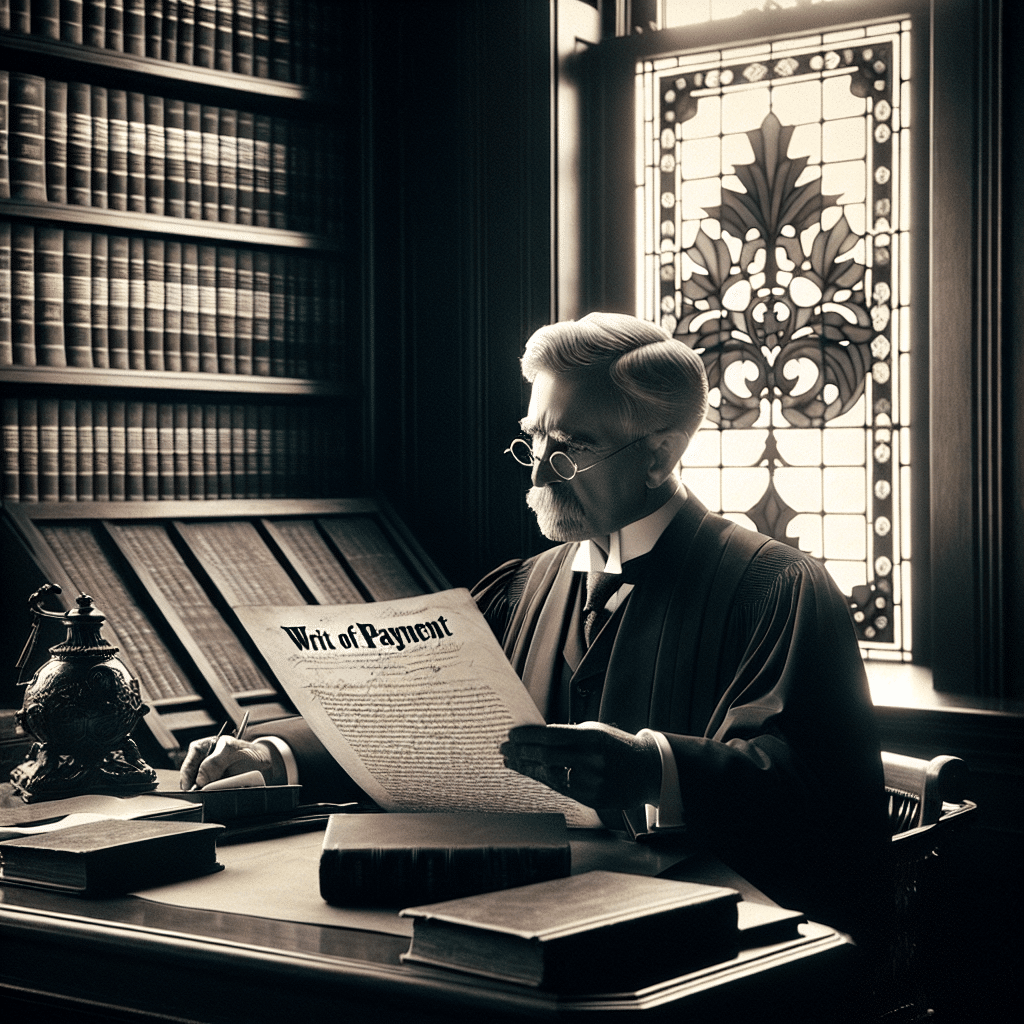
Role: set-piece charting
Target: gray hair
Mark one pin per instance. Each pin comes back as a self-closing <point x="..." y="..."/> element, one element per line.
<point x="660" y="380"/>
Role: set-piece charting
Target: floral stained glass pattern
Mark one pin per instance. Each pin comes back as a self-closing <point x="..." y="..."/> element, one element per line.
<point x="773" y="237"/>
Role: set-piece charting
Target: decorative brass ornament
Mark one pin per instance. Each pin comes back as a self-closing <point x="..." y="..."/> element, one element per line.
<point x="80" y="706"/>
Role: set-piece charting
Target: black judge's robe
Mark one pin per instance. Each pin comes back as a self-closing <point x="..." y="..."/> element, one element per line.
<point x="741" y="651"/>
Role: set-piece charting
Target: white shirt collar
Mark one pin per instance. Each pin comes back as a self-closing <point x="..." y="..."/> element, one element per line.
<point x="632" y="541"/>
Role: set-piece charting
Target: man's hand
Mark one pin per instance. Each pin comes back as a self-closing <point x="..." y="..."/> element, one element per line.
<point x="210" y="759"/>
<point x="596" y="764"/>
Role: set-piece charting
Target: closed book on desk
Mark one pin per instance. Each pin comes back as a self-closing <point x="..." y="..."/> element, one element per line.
<point x="598" y="931"/>
<point x="106" y="857"/>
<point x="398" y="859"/>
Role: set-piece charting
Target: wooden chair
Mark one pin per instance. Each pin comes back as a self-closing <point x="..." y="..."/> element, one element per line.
<point x="927" y="807"/>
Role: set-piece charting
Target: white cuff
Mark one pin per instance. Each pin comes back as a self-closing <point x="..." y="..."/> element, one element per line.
<point x="291" y="769"/>
<point x="668" y="812"/>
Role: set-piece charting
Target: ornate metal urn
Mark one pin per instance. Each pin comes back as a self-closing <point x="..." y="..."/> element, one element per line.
<point x="80" y="706"/>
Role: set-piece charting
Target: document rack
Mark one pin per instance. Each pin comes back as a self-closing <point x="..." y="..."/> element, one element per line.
<point x="167" y="575"/>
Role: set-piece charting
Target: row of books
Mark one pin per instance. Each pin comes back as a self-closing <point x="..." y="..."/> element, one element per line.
<point x="280" y="39"/>
<point x="98" y="300"/>
<point x="89" y="145"/>
<point x="112" y="450"/>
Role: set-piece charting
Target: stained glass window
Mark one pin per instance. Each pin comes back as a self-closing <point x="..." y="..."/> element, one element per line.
<point x="773" y="237"/>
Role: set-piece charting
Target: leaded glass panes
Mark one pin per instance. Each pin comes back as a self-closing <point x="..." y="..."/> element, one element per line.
<point x="772" y="236"/>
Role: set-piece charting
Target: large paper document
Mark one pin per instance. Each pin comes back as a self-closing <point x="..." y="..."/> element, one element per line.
<point x="412" y="697"/>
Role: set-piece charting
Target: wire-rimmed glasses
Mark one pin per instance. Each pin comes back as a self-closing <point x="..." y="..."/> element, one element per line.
<point x="562" y="464"/>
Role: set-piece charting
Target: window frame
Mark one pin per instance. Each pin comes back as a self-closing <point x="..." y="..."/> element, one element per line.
<point x="962" y="538"/>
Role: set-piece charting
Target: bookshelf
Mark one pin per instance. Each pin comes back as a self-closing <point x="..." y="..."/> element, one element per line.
<point x="180" y="363"/>
<point x="168" y="574"/>
<point x="172" y="204"/>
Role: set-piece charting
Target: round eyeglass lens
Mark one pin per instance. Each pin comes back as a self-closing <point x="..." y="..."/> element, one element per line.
<point x="563" y="465"/>
<point x="521" y="452"/>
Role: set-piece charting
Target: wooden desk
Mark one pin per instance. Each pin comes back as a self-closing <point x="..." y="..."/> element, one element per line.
<point x="132" y="959"/>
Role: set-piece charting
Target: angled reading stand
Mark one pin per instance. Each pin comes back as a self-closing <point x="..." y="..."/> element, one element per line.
<point x="167" y="575"/>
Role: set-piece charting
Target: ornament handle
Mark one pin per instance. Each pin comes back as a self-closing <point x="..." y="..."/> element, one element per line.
<point x="36" y="600"/>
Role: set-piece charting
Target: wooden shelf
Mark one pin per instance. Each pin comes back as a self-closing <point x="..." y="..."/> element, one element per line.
<point x="33" y="50"/>
<point x="178" y="227"/>
<point x="168" y="380"/>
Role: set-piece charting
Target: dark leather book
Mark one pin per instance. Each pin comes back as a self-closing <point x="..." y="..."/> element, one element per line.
<point x="100" y="291"/>
<point x="99" y="175"/>
<point x="50" y="298"/>
<point x="79" y="147"/>
<point x="601" y="931"/>
<point x="399" y="859"/>
<point x="117" y="168"/>
<point x="27" y="137"/>
<point x="77" y="296"/>
<point x="134" y="27"/>
<point x="94" y="27"/>
<point x="111" y="856"/>
<point x="117" y="328"/>
<point x="136" y="104"/>
<point x="56" y="141"/>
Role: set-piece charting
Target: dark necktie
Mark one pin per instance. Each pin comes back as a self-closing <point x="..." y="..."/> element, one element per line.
<point x="600" y="587"/>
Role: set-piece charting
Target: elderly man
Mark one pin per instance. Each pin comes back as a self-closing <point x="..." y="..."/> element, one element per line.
<point x="696" y="677"/>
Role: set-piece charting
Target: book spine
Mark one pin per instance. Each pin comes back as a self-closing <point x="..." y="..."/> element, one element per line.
<point x="100" y="146"/>
<point x="11" y="439"/>
<point x="196" y="453"/>
<point x="193" y="161"/>
<point x="252" y="451"/>
<point x="210" y="121"/>
<point x="56" y="141"/>
<point x="279" y="173"/>
<point x="208" y="309"/>
<point x="50" y="298"/>
<point x="154" y="29"/>
<point x="224" y="41"/>
<point x="5" y="123"/>
<point x="135" y="27"/>
<point x="100" y="300"/>
<point x="155" y="294"/>
<point x="165" y="449"/>
<point x="190" y="307"/>
<point x="46" y="18"/>
<point x="246" y="166"/>
<point x="182" y="461"/>
<point x="115" y="25"/>
<point x="261" y="170"/>
<point x="174" y="136"/>
<point x="169" y="40"/>
<point x="26" y="137"/>
<point x="117" y="327"/>
<point x="71" y="21"/>
<point x="261" y="38"/>
<point x="279" y="486"/>
<point x="265" y="415"/>
<point x="85" y="456"/>
<point x="238" y="483"/>
<point x="100" y="450"/>
<point x="134" y="468"/>
<point x="155" y="154"/>
<point x="186" y="32"/>
<point x="302" y="318"/>
<point x="291" y="326"/>
<point x="23" y="294"/>
<point x="67" y="450"/>
<point x="117" y="158"/>
<point x="278" y="310"/>
<point x="172" y="306"/>
<point x="78" y="272"/>
<point x="118" y="448"/>
<point x="244" y="312"/>
<point x="280" y="41"/>
<point x="244" y="41"/>
<point x="79" y="144"/>
<point x="28" y="448"/>
<point x="224" y="488"/>
<point x="206" y="33"/>
<point x="226" y="309"/>
<point x="227" y="171"/>
<point x="299" y="197"/>
<point x="95" y="24"/>
<point x="150" y="451"/>
<point x="261" y="313"/>
<point x="6" y="345"/>
<point x="136" y="303"/>
<point x="21" y="16"/>
<point x="136" y="152"/>
<point x="211" y="471"/>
